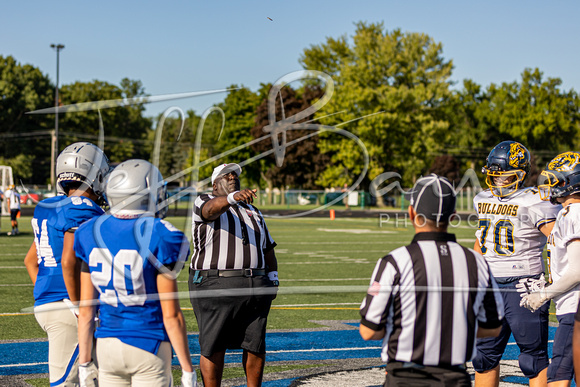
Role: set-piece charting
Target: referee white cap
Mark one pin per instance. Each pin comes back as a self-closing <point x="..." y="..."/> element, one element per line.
<point x="433" y="197"/>
<point x="224" y="169"/>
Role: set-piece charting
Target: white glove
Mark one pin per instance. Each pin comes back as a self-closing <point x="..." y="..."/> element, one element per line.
<point x="534" y="301"/>
<point x="88" y="375"/>
<point x="188" y="379"/>
<point x="72" y="307"/>
<point x="530" y="285"/>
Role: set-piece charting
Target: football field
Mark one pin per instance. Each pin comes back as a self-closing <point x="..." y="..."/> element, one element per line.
<point x="324" y="268"/>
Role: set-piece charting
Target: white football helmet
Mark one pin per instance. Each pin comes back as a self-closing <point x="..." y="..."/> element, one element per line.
<point x="82" y="162"/>
<point x="136" y="187"/>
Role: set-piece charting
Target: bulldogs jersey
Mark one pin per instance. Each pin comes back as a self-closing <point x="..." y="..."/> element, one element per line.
<point x="508" y="231"/>
<point x="52" y="218"/>
<point x="124" y="257"/>
<point x="566" y="229"/>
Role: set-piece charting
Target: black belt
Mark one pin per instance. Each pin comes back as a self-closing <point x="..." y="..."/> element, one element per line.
<point x="233" y="273"/>
<point x="404" y="364"/>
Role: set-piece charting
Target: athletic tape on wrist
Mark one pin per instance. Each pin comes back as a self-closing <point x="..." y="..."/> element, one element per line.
<point x="231" y="199"/>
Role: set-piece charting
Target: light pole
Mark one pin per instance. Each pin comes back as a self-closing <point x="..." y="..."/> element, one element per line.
<point x="54" y="148"/>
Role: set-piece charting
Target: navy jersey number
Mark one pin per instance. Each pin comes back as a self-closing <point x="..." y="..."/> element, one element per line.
<point x="503" y="239"/>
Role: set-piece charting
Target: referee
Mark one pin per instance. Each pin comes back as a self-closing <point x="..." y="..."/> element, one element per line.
<point x="431" y="299"/>
<point x="233" y="276"/>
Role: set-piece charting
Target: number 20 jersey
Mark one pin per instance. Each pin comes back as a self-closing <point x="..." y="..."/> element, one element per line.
<point x="566" y="229"/>
<point x="52" y="218"/>
<point x="508" y="231"/>
<point x="124" y="257"/>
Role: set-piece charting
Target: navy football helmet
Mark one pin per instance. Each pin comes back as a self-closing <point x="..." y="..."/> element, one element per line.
<point x="506" y="168"/>
<point x="561" y="177"/>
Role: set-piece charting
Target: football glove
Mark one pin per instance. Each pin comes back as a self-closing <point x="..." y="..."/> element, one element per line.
<point x="188" y="379"/>
<point x="535" y="300"/>
<point x="530" y="285"/>
<point x="88" y="375"/>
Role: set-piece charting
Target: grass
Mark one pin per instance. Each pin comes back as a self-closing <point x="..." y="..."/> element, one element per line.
<point x="323" y="263"/>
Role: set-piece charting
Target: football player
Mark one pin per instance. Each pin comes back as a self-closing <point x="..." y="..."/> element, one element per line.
<point x="513" y="226"/>
<point x="13" y="204"/>
<point x="560" y="184"/>
<point x="80" y="170"/>
<point x="129" y="262"/>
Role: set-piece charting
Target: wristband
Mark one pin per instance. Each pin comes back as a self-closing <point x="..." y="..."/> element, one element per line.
<point x="231" y="199"/>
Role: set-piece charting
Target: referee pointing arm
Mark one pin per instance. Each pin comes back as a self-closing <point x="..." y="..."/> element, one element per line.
<point x="431" y="299"/>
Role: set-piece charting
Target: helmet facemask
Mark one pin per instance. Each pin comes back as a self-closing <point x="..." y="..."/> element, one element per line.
<point x="547" y="182"/>
<point x="504" y="183"/>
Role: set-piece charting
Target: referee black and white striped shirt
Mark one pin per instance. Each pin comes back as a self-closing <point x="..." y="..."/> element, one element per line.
<point x="236" y="240"/>
<point x="430" y="296"/>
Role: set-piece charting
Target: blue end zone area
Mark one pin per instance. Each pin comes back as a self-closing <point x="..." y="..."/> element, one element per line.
<point x="31" y="357"/>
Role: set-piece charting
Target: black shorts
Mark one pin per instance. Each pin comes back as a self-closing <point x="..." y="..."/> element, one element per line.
<point x="14" y="214"/>
<point x="410" y="375"/>
<point x="232" y="321"/>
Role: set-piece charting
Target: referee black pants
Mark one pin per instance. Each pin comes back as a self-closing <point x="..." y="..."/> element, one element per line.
<point x="412" y="375"/>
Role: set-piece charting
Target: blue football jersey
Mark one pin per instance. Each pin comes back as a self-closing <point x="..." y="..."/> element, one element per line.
<point x="52" y="218"/>
<point x="124" y="257"/>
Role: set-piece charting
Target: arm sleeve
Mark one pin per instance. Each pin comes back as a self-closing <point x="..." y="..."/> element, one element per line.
<point x="379" y="297"/>
<point x="571" y="277"/>
<point x="85" y="267"/>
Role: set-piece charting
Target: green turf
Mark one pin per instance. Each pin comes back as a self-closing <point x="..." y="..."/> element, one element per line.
<point x="324" y="268"/>
<point x="321" y="261"/>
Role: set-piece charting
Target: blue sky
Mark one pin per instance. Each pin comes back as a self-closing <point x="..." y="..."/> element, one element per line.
<point x="184" y="46"/>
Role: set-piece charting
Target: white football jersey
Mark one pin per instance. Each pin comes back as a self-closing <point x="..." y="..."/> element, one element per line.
<point x="567" y="228"/>
<point x="509" y="234"/>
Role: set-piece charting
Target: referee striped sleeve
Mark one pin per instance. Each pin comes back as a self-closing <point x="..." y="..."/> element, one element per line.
<point x="385" y="278"/>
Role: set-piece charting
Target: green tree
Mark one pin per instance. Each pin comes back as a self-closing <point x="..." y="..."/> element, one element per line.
<point x="533" y="111"/>
<point x="239" y="107"/>
<point x="536" y="112"/>
<point x="402" y="76"/>
<point x="176" y="145"/>
<point x="22" y="166"/>
<point x="25" y="88"/>
<point x="303" y="161"/>
<point x="122" y="125"/>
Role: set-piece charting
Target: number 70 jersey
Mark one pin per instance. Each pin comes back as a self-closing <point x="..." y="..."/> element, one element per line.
<point x="508" y="231"/>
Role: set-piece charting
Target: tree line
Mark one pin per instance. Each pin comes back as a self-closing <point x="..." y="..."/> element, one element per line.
<point x="392" y="89"/>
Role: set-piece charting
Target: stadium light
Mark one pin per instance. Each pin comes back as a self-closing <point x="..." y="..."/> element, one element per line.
<point x="54" y="147"/>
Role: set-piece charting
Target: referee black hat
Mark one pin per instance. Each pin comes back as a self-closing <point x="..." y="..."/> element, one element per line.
<point x="433" y="197"/>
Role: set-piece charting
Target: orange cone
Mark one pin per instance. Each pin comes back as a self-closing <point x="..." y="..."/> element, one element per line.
<point x="332" y="214"/>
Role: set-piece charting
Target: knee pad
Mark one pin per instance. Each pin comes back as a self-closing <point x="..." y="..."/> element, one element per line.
<point x="531" y="365"/>
<point x="484" y="362"/>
